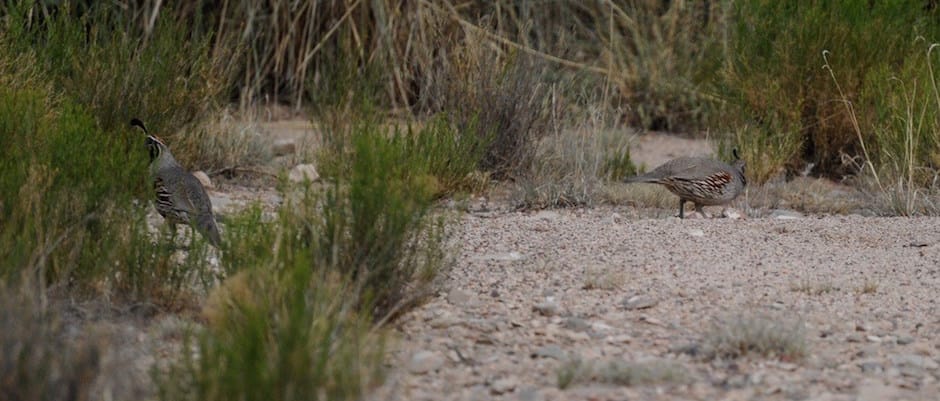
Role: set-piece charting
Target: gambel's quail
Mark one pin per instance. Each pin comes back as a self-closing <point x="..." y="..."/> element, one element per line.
<point x="180" y="196"/>
<point x="703" y="181"/>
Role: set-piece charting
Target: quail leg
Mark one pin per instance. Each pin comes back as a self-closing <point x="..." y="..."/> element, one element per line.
<point x="681" y="211"/>
<point x="701" y="209"/>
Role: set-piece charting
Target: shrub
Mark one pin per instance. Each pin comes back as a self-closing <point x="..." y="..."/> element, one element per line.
<point x="794" y="111"/>
<point x="903" y="158"/>
<point x="288" y="334"/>
<point x="374" y="216"/>
<point x="74" y="177"/>
<point x="766" y="336"/>
<point x="102" y="58"/>
<point x="571" y="164"/>
<point x="56" y="180"/>
<point x="620" y="372"/>
<point x="500" y="99"/>
<point x="297" y="319"/>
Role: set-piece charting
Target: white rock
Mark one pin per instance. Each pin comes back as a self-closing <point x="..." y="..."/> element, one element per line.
<point x="601" y="327"/>
<point x="696" y="232"/>
<point x="501" y="257"/>
<point x="303" y="172"/>
<point x="731" y="213"/>
<point x="203" y="178"/>
<point x="549" y="351"/>
<point x="785" y="214"/>
<point x="639" y="302"/>
<point x="503" y="385"/>
<point x="547" y="308"/>
<point x="547" y="215"/>
<point x="917" y="361"/>
<point x="424" y="361"/>
<point x="458" y="297"/>
<point x="620" y="339"/>
<point x="223" y="202"/>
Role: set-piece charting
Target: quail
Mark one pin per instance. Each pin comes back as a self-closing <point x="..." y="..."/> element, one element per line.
<point x="180" y="197"/>
<point x="703" y="181"/>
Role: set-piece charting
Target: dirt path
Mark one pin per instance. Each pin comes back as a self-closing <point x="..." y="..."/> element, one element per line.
<point x="532" y="292"/>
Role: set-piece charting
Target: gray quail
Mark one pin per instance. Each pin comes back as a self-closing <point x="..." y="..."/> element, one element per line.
<point x="703" y="181"/>
<point x="180" y="197"/>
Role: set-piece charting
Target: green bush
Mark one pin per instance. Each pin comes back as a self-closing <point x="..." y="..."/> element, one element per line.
<point x="774" y="84"/>
<point x="288" y="334"/>
<point x="501" y="101"/>
<point x="905" y="132"/>
<point x="99" y="56"/>
<point x="374" y="216"/>
<point x="296" y="321"/>
<point x="60" y="179"/>
<point x="75" y="177"/>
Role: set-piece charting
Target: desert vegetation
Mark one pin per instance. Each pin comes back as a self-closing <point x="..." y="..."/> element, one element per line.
<point x="415" y="102"/>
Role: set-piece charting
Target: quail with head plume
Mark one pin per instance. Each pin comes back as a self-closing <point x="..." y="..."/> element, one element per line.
<point x="703" y="181"/>
<point x="181" y="199"/>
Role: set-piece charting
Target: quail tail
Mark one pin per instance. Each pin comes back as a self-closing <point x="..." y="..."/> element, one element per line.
<point x="640" y="178"/>
<point x="206" y="226"/>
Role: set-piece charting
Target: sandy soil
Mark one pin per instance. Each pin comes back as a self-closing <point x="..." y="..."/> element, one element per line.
<point x="531" y="291"/>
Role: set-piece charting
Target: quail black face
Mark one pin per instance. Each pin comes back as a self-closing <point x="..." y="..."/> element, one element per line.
<point x="153" y="145"/>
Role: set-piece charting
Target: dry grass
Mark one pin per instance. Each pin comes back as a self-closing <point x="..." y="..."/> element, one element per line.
<point x="808" y="195"/>
<point x="813" y="287"/>
<point x="501" y="99"/>
<point x="759" y="335"/>
<point x="575" y="371"/>
<point x="224" y="143"/>
<point x="605" y="278"/>
<point x="36" y="361"/>
<point x="869" y="287"/>
<point x="572" y="164"/>
<point x="642" y="196"/>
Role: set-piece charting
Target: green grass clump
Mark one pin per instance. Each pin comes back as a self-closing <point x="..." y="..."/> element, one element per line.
<point x="903" y="161"/>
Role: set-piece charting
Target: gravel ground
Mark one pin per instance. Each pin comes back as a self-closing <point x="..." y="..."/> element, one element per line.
<point x="612" y="307"/>
<point x="532" y="294"/>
